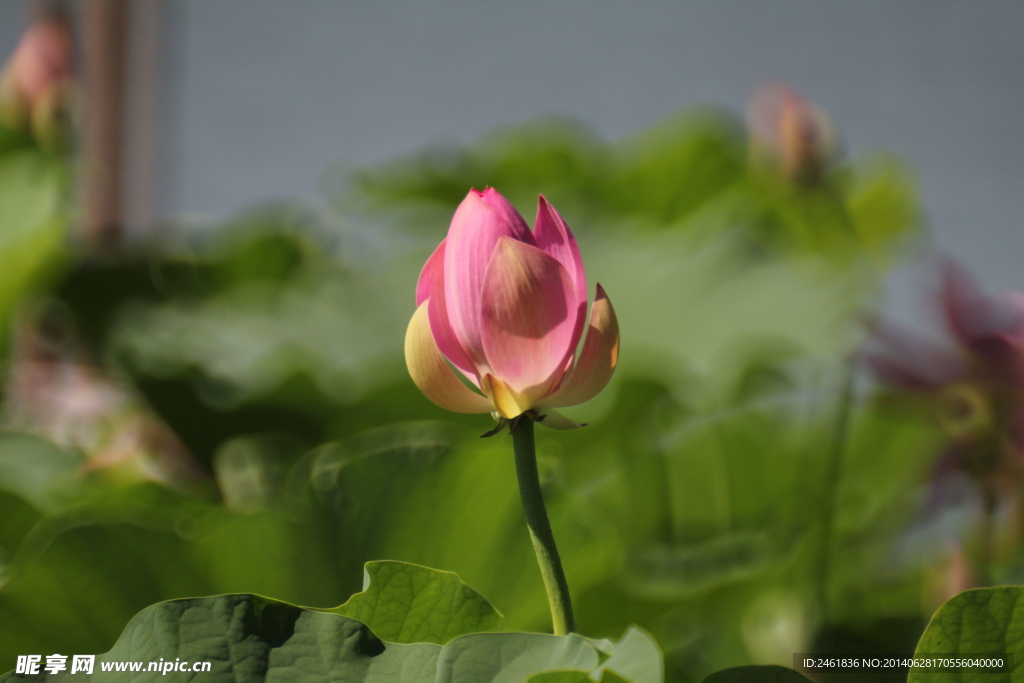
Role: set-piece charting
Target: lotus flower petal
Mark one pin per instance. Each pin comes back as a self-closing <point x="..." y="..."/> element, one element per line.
<point x="528" y="317"/>
<point x="481" y="220"/>
<point x="431" y="286"/>
<point x="508" y="402"/>
<point x="554" y="237"/>
<point x="432" y="272"/>
<point x="597" y="360"/>
<point x="431" y="373"/>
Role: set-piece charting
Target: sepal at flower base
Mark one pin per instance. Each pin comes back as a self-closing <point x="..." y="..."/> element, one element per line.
<point x="552" y="419"/>
<point x="508" y="402"/>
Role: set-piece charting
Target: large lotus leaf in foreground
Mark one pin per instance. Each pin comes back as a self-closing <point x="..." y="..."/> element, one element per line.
<point x="251" y="638"/>
<point x="983" y="624"/>
<point x="756" y="674"/>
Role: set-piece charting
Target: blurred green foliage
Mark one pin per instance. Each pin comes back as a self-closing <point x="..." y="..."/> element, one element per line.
<point x="34" y="217"/>
<point x="709" y="500"/>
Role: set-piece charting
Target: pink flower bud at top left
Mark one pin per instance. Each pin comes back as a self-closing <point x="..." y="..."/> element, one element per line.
<point x="38" y="74"/>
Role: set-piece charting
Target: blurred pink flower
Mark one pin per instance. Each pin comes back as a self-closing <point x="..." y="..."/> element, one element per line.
<point x="54" y="390"/>
<point x="976" y="382"/>
<point x="37" y="78"/>
<point x="790" y="132"/>
<point x="43" y="58"/>
<point x="507" y="308"/>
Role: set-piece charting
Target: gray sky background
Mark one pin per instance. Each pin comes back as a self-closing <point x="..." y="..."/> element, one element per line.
<point x="269" y="94"/>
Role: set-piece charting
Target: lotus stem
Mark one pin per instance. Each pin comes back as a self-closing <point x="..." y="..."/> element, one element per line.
<point x="833" y="475"/>
<point x="540" y="528"/>
<point x="986" y="542"/>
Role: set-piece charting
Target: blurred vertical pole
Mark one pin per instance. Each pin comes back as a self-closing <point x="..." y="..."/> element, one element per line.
<point x="105" y="37"/>
<point x="147" y="106"/>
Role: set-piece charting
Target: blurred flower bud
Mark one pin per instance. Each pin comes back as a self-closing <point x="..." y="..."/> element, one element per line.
<point x="790" y="133"/>
<point x="36" y="83"/>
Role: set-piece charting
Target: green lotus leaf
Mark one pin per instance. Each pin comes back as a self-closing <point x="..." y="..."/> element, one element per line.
<point x="756" y="674"/>
<point x="561" y="676"/>
<point x="407" y="603"/>
<point x="246" y="638"/>
<point x="981" y="623"/>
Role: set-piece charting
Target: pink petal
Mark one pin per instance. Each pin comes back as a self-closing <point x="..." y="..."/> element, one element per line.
<point x="529" y="314"/>
<point x="597" y="360"/>
<point x="900" y="358"/>
<point x="894" y="373"/>
<point x="429" y="274"/>
<point x="1016" y="300"/>
<point x="431" y="287"/>
<point x="971" y="313"/>
<point x="43" y="58"/>
<point x="431" y="373"/>
<point x="554" y="237"/>
<point x="481" y="220"/>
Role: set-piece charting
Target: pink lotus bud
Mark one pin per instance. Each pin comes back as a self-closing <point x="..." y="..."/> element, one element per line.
<point x="791" y="132"/>
<point x="507" y="307"/>
<point x="38" y="74"/>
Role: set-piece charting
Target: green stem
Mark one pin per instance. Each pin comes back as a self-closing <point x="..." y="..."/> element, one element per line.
<point x="833" y="476"/>
<point x="987" y="534"/>
<point x="540" y="528"/>
<point x="723" y="494"/>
